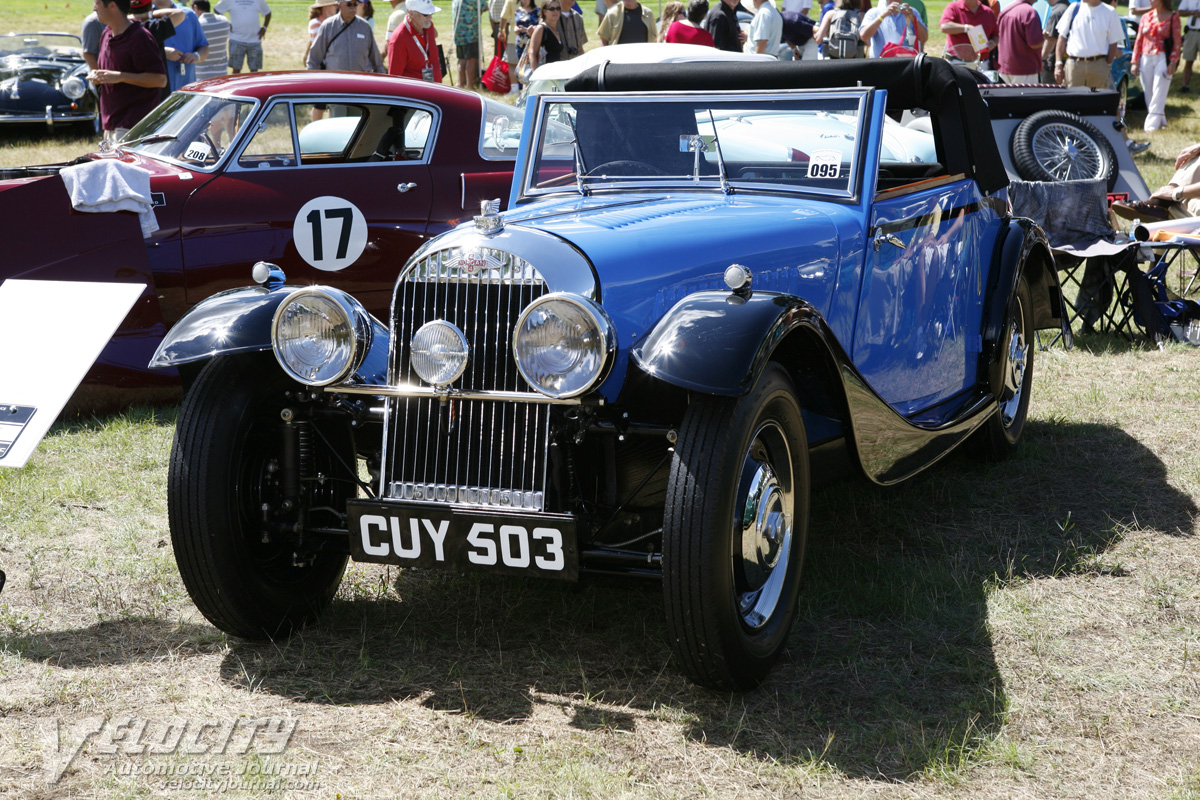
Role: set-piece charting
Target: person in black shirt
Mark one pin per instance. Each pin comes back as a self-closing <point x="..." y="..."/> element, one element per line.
<point x="627" y="22"/>
<point x="161" y="25"/>
<point x="722" y="23"/>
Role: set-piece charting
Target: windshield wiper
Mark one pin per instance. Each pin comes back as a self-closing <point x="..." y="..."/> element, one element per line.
<point x="725" y="187"/>
<point x="580" y="167"/>
<point x="154" y="137"/>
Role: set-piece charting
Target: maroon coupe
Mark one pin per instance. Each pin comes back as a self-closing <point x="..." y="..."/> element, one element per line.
<point x="336" y="177"/>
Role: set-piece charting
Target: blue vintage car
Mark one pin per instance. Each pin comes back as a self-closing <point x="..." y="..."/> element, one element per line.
<point x="698" y="301"/>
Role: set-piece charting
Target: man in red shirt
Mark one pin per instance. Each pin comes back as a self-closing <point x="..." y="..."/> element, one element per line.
<point x="130" y="72"/>
<point x="1021" y="41"/>
<point x="412" y="50"/>
<point x="958" y="18"/>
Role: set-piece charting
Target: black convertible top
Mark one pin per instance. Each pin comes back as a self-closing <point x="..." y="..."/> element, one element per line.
<point x="961" y="123"/>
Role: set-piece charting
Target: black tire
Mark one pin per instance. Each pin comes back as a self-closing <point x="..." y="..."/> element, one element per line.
<point x="728" y="616"/>
<point x="1062" y="146"/>
<point x="1000" y="436"/>
<point x="219" y="478"/>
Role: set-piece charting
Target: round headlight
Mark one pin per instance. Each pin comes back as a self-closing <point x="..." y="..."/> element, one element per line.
<point x="438" y="353"/>
<point x="73" y="87"/>
<point x="563" y="344"/>
<point x="319" y="336"/>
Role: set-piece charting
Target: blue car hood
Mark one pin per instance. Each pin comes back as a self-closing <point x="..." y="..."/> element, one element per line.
<point x="650" y="250"/>
<point x="645" y="265"/>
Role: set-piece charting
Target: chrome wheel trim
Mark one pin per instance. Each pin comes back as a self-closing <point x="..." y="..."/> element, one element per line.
<point x="764" y="528"/>
<point x="1066" y="152"/>
<point x="1016" y="363"/>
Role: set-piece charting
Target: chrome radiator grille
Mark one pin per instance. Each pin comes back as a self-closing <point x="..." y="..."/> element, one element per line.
<point x="473" y="452"/>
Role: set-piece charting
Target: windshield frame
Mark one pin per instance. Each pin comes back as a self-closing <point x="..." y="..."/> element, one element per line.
<point x="76" y="45"/>
<point x="862" y="97"/>
<point x="249" y="121"/>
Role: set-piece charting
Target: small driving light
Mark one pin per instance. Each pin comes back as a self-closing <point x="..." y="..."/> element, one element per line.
<point x="439" y="352"/>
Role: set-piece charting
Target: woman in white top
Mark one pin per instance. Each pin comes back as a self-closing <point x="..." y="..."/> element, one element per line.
<point x="318" y="12"/>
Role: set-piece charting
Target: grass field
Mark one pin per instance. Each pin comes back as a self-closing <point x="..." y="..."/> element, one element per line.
<point x="1026" y="629"/>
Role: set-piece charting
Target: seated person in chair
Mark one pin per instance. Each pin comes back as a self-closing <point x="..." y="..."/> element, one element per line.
<point x="1179" y="198"/>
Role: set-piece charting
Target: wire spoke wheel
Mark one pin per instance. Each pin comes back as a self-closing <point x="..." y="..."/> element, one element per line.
<point x="1065" y="153"/>
<point x="1062" y="146"/>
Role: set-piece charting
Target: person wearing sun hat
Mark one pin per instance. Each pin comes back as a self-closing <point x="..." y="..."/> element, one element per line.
<point x="412" y="48"/>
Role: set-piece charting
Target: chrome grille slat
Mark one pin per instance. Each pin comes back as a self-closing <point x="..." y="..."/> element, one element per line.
<point x="475" y="451"/>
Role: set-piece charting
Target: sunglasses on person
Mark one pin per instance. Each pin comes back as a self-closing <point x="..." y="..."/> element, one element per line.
<point x="551" y="8"/>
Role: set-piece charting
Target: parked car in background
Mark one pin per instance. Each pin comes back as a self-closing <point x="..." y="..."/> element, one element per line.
<point x="641" y="368"/>
<point x="43" y="80"/>
<point x="337" y="177"/>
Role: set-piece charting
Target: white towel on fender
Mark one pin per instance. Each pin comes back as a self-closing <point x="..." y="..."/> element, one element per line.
<point x="109" y="184"/>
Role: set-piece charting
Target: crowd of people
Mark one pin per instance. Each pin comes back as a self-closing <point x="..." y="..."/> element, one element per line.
<point x="140" y="50"/>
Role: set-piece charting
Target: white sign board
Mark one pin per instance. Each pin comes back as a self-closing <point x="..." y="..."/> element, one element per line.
<point x="50" y="334"/>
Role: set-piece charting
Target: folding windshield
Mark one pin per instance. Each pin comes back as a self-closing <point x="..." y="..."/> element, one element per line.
<point x="42" y="45"/>
<point x="777" y="142"/>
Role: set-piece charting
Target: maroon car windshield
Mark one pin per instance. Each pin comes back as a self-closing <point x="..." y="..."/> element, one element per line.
<point x="192" y="129"/>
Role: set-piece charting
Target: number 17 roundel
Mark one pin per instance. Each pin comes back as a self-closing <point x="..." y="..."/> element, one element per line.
<point x="330" y="233"/>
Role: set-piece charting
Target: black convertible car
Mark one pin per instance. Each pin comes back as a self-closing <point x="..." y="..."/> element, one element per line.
<point x="43" y="78"/>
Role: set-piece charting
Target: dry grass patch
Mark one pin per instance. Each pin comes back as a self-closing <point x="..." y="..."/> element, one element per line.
<point x="1027" y="628"/>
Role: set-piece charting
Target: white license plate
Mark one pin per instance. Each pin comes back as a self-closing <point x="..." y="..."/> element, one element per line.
<point x="417" y="535"/>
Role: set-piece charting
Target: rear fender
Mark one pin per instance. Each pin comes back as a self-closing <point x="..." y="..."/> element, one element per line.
<point x="718" y="343"/>
<point x="1023" y="250"/>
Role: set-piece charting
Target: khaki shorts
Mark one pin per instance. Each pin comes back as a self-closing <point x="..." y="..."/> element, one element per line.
<point x="1092" y="74"/>
<point x="1191" y="44"/>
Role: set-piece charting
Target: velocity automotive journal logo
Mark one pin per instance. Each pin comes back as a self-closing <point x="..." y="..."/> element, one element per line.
<point x="63" y="743"/>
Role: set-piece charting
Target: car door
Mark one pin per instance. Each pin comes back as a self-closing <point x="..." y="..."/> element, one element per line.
<point x="334" y="192"/>
<point x="917" y="334"/>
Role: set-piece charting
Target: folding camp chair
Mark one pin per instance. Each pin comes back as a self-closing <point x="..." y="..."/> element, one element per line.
<point x="1092" y="258"/>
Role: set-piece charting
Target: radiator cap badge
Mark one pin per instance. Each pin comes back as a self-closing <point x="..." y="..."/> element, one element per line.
<point x="489" y="220"/>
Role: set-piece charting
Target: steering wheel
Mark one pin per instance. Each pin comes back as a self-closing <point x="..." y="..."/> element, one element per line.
<point x="208" y="140"/>
<point x="626" y="167"/>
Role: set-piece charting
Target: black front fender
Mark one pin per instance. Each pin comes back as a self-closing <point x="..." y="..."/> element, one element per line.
<point x="718" y="342"/>
<point x="240" y="321"/>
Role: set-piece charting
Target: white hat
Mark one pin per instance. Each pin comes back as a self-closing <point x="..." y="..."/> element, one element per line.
<point x="422" y="6"/>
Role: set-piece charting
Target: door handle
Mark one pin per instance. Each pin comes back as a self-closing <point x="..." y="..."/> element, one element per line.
<point x="404" y="187"/>
<point x="890" y="238"/>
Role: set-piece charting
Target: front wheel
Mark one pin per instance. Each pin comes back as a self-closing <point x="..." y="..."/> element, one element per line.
<point x="249" y="473"/>
<point x="734" y="533"/>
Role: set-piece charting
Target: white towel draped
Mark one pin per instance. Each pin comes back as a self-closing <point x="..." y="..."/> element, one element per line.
<point x="109" y="184"/>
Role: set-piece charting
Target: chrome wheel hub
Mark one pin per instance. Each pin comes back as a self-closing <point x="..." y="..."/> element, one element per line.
<point x="764" y="526"/>
<point x="1016" y="362"/>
